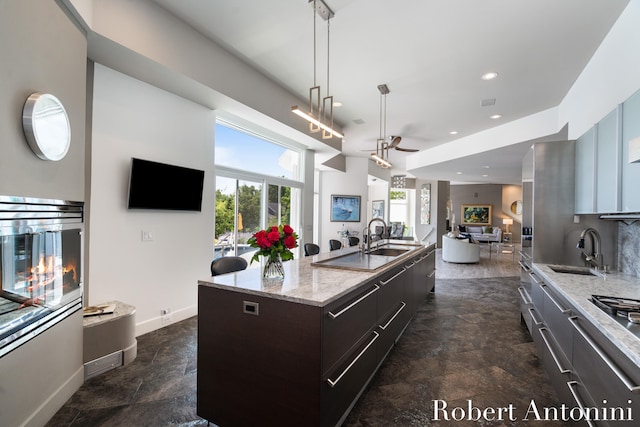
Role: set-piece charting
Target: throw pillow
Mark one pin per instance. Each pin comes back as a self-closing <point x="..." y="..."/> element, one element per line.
<point x="462" y="228"/>
<point x="488" y="230"/>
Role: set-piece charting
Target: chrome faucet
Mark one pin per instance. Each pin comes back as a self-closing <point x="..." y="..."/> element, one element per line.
<point x="367" y="231"/>
<point x="595" y="258"/>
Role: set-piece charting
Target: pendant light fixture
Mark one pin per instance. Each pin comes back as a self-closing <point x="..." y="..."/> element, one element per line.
<point x="320" y="114"/>
<point x="381" y="156"/>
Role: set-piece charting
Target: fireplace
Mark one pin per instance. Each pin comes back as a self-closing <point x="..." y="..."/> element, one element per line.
<point x="40" y="266"/>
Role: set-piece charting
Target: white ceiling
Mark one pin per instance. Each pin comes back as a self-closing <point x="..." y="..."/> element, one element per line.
<point x="430" y="53"/>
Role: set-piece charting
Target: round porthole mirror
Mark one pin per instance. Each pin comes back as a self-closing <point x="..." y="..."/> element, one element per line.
<point x="46" y="126"/>
<point x="516" y="207"/>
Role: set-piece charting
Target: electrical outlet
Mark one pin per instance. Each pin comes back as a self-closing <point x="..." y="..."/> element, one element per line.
<point x="165" y="316"/>
<point x="147" y="236"/>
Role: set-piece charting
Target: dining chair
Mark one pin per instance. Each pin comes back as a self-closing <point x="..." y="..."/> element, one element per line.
<point x="311" y="249"/>
<point x="228" y="264"/>
<point x="335" y="244"/>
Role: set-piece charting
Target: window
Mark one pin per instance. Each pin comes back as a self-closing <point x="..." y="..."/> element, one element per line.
<point x="239" y="149"/>
<point x="248" y="200"/>
<point x="401" y="208"/>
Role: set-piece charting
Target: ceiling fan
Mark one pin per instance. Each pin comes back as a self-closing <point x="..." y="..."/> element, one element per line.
<point x="382" y="144"/>
<point x="395" y="140"/>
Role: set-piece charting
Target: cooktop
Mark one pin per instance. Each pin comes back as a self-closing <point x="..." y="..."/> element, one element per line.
<point x="625" y="311"/>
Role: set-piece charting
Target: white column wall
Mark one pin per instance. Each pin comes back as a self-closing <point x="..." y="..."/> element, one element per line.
<point x="134" y="119"/>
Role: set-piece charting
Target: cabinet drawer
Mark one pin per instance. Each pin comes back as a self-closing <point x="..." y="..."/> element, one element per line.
<point x="606" y="375"/>
<point x="537" y="296"/>
<point x="556" y="365"/>
<point x="343" y="384"/>
<point x="391" y="326"/>
<point x="556" y="317"/>
<point x="525" y="305"/>
<point x="346" y="321"/>
<point x="391" y="290"/>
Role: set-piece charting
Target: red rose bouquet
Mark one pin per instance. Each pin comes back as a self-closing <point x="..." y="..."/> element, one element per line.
<point x="273" y="241"/>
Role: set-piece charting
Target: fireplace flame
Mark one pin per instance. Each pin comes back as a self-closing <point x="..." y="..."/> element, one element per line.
<point x="47" y="278"/>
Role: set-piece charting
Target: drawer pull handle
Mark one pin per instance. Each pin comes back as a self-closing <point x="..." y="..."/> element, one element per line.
<point x="332" y="383"/>
<point x="556" y="303"/>
<point x="524" y="255"/>
<point x="525" y="296"/>
<point x="394" y="276"/>
<point x="432" y="273"/>
<point x="552" y="351"/>
<point x="525" y="267"/>
<point x="531" y="311"/>
<point x="362" y="298"/>
<point x="411" y="265"/>
<point x="572" y="385"/>
<point x="621" y="375"/>
<point x="535" y="278"/>
<point x="393" y="317"/>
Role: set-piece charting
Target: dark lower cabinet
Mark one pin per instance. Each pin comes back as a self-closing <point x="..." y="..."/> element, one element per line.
<point x="585" y="367"/>
<point x="343" y="385"/>
<point x="266" y="361"/>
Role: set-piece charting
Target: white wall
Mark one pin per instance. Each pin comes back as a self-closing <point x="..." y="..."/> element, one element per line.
<point x="353" y="182"/>
<point x="133" y="119"/>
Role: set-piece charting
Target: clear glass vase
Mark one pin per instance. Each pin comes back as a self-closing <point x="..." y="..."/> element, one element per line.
<point x="273" y="268"/>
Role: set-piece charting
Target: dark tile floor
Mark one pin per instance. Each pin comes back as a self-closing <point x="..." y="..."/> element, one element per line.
<point x="465" y="343"/>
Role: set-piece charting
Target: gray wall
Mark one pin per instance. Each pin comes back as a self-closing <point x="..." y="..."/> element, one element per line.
<point x="478" y="194"/>
<point x="41" y="51"/>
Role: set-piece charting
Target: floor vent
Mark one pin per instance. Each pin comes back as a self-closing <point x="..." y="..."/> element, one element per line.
<point x="103" y="364"/>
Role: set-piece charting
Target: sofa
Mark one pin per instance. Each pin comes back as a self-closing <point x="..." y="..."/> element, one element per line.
<point x="481" y="233"/>
<point x="459" y="251"/>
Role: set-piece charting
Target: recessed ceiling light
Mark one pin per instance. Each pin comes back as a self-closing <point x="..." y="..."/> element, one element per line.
<point x="490" y="75"/>
<point x="459" y="173"/>
<point x="337" y="104"/>
<point x="453" y="132"/>
<point x="485" y="175"/>
<point x="495" y="116"/>
<point x="486" y="166"/>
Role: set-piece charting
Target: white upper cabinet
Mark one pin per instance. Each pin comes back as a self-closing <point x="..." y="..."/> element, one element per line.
<point x="608" y="138"/>
<point x="630" y="171"/>
<point x="585" y="197"/>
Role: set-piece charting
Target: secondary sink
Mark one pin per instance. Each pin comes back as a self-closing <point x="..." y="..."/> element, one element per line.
<point x="568" y="269"/>
<point x="388" y="251"/>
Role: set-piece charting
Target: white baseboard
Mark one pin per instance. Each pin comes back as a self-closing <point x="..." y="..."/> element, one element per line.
<point x="49" y="407"/>
<point x="156" y="322"/>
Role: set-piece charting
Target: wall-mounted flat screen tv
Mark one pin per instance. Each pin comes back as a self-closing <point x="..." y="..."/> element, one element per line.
<point x="161" y="186"/>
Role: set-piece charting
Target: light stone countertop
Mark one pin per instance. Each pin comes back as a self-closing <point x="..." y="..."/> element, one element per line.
<point x="578" y="290"/>
<point x="305" y="283"/>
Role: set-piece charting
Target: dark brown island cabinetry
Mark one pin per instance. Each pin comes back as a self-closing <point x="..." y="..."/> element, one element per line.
<point x="586" y="368"/>
<point x="271" y="361"/>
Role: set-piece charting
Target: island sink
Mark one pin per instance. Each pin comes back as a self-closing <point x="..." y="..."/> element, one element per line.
<point x="372" y="261"/>
<point x="388" y="252"/>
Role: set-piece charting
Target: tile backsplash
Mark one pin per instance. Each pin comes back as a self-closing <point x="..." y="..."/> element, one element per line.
<point x="629" y="248"/>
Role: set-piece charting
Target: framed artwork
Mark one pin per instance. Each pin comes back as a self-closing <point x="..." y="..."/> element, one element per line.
<point x="476" y="215"/>
<point x="377" y="209"/>
<point x="345" y="208"/>
<point x="425" y="204"/>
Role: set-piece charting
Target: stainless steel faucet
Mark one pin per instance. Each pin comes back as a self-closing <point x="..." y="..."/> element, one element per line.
<point x="367" y="231"/>
<point x="595" y="258"/>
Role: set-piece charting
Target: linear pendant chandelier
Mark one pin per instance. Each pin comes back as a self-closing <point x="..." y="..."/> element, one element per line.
<point x="320" y="113"/>
<point x="381" y="156"/>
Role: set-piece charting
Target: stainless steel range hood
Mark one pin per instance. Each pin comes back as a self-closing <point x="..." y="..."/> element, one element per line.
<point x="627" y="218"/>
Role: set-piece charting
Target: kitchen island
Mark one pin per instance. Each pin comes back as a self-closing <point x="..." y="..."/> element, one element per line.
<point x="301" y="351"/>
<point x="591" y="355"/>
